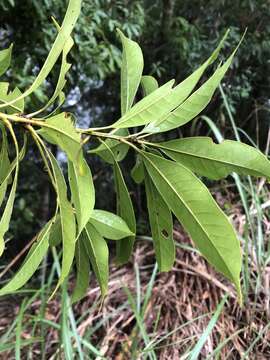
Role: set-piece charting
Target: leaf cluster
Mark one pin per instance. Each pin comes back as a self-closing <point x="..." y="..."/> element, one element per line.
<point x="169" y="170"/>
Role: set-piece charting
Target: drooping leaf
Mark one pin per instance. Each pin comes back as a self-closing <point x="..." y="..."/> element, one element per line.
<point x="71" y="16"/>
<point x="194" y="104"/>
<point x="98" y="253"/>
<point x="109" y="225"/>
<point x="161" y="226"/>
<point x="65" y="66"/>
<point x="118" y="149"/>
<point x="82" y="191"/>
<point x="60" y="130"/>
<point x="215" y="161"/>
<point x="68" y="226"/>
<point x="55" y="237"/>
<point x="6" y="215"/>
<point x="149" y="84"/>
<point x="147" y="109"/>
<point x="193" y="205"/>
<point x="126" y="212"/>
<point x="31" y="263"/>
<point x="4" y="164"/>
<point x="83" y="269"/>
<point x="5" y="58"/>
<point x="131" y="71"/>
<point x="137" y="172"/>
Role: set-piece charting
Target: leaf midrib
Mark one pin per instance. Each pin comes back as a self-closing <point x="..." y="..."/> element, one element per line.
<point x="190" y="211"/>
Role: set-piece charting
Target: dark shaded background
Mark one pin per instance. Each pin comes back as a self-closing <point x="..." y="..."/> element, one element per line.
<point x="175" y="35"/>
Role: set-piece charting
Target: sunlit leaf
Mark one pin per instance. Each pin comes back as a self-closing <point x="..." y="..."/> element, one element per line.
<point x="203" y="156"/>
<point x="148" y="109"/>
<point x="109" y="225"/>
<point x="194" y="104"/>
<point x="98" y="253"/>
<point x="131" y="71"/>
<point x="161" y="226"/>
<point x="60" y="130"/>
<point x="193" y="205"/>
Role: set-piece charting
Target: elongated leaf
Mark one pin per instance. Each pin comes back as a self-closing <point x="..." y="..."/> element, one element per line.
<point x="31" y="263"/>
<point x="126" y="212"/>
<point x="65" y="66"/>
<point x="131" y="71"/>
<point x="161" y="226"/>
<point x="193" y="205"/>
<point x="194" y="104"/>
<point x="83" y="270"/>
<point x="149" y="84"/>
<point x="109" y="225"/>
<point x="82" y="191"/>
<point x="5" y="58"/>
<point x="203" y="156"/>
<point x="6" y="215"/>
<point x="68" y="225"/>
<point x="71" y="16"/>
<point x="98" y="253"/>
<point x="4" y="164"/>
<point x="60" y="130"/>
<point x="158" y="105"/>
<point x="137" y="172"/>
<point x="55" y="237"/>
<point x="118" y="149"/>
<point x="147" y="109"/>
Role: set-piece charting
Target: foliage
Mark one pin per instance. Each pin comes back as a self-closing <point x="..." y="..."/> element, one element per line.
<point x="167" y="168"/>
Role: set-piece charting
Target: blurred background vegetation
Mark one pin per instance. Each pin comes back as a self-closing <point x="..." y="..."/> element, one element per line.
<point x="176" y="36"/>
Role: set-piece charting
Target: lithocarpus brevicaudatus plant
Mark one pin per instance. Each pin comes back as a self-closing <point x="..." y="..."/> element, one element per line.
<point x="167" y="169"/>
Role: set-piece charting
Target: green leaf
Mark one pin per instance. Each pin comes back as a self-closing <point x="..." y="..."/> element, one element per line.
<point x="98" y="253"/>
<point x="118" y="149"/>
<point x="71" y="16"/>
<point x="68" y="225"/>
<point x="131" y="71"/>
<point x="6" y="96"/>
<point x="4" y="164"/>
<point x="82" y="191"/>
<point x="137" y="172"/>
<point x="5" y="59"/>
<point x="194" y="104"/>
<point x="83" y="270"/>
<point x="147" y="109"/>
<point x="149" y="84"/>
<point x="60" y="130"/>
<point x="55" y="237"/>
<point x="31" y="263"/>
<point x="203" y="156"/>
<point x="193" y="205"/>
<point x="126" y="212"/>
<point x="161" y="226"/>
<point x="6" y="215"/>
<point x="109" y="225"/>
<point x="154" y="107"/>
